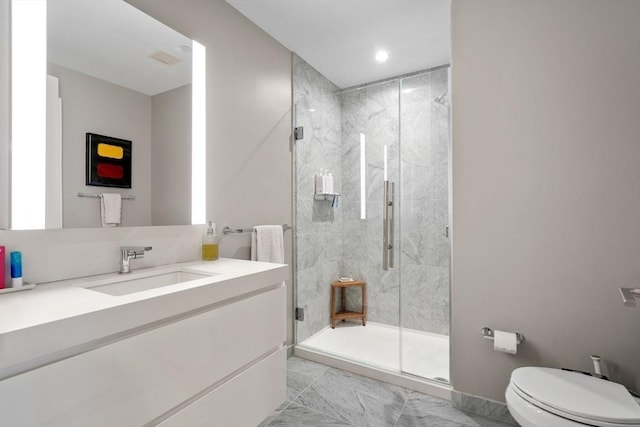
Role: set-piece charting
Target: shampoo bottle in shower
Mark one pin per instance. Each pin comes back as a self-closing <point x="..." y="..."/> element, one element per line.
<point x="210" y="243"/>
<point x="329" y="183"/>
<point x="320" y="187"/>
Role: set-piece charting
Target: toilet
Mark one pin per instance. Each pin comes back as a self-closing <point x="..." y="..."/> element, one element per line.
<point x="547" y="397"/>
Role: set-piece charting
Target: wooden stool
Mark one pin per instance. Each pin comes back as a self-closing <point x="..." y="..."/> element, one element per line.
<point x="343" y="314"/>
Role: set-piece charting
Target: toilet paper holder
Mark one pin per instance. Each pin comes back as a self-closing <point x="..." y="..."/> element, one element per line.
<point x="488" y="334"/>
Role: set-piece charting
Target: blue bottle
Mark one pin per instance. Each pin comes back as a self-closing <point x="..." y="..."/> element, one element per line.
<point x="16" y="269"/>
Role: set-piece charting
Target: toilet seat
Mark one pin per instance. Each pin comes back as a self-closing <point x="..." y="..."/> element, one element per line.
<point x="577" y="397"/>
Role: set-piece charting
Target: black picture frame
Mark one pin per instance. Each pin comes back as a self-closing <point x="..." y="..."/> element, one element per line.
<point x="108" y="161"/>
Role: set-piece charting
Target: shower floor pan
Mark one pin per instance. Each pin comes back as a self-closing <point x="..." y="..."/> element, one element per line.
<point x="424" y="354"/>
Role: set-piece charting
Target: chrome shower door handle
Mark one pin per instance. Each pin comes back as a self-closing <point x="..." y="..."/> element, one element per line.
<point x="391" y="205"/>
<point x="385" y="226"/>
<point x="388" y="213"/>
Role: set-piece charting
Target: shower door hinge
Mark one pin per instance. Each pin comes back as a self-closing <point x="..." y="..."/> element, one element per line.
<point x="298" y="133"/>
<point x="300" y="314"/>
<point x="446" y="231"/>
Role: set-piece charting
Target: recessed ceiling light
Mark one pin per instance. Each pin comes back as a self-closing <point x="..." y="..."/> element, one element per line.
<point x="382" y="56"/>
<point x="407" y="90"/>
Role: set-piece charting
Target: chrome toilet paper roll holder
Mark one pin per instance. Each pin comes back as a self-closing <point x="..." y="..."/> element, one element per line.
<point x="488" y="334"/>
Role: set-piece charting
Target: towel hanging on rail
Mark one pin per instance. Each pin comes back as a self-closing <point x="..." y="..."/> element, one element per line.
<point x="267" y="243"/>
<point x="110" y="209"/>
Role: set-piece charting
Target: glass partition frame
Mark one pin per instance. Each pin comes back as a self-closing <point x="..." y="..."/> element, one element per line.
<point x="385" y="132"/>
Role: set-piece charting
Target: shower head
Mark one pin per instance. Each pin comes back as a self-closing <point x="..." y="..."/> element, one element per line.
<point x="442" y="99"/>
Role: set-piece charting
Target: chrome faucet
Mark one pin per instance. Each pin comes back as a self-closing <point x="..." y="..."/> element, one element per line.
<point x="127" y="253"/>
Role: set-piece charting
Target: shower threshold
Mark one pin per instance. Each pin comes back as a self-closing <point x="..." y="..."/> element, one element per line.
<point x="373" y="351"/>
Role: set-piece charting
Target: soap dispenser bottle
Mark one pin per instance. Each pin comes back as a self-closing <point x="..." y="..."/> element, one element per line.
<point x="210" y="243"/>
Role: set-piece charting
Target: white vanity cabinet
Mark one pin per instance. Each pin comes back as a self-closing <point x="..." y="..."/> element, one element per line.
<point x="219" y="365"/>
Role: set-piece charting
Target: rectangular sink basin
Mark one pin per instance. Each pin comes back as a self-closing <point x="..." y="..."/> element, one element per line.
<point x="125" y="285"/>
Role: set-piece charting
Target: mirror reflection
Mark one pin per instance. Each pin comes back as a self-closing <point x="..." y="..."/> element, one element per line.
<point x="114" y="71"/>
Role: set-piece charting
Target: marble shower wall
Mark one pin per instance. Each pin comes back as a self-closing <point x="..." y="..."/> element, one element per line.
<point x="372" y="112"/>
<point x="318" y="224"/>
<point x="403" y="117"/>
<point x="334" y="242"/>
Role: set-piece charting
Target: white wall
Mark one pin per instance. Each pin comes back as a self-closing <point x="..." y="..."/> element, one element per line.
<point x="248" y="119"/>
<point x="171" y="153"/>
<point x="49" y="255"/>
<point x="546" y="186"/>
<point x="93" y="105"/>
<point x="5" y="106"/>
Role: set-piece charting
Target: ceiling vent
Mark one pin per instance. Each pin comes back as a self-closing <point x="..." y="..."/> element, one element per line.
<point x="165" y="58"/>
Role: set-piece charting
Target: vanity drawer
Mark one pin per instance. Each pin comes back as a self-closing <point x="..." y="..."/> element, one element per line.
<point x="261" y="388"/>
<point x="137" y="379"/>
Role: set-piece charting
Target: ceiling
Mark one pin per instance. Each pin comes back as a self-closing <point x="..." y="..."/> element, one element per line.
<point x="340" y="38"/>
<point x="112" y="40"/>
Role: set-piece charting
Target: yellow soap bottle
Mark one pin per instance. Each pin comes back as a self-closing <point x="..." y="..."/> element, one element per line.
<point x="210" y="243"/>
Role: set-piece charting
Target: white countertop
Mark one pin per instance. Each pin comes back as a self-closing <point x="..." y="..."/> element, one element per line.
<point x="57" y="316"/>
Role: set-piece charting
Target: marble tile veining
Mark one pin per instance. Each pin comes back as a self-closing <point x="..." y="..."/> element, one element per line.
<point x="318" y="223"/>
<point x="293" y="414"/>
<point x="297" y="382"/>
<point x="351" y="404"/>
<point x="339" y="398"/>
<point x="307" y="367"/>
<point x="476" y="405"/>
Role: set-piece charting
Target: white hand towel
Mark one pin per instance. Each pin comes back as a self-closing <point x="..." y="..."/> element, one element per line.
<point x="267" y="243"/>
<point x="110" y="209"/>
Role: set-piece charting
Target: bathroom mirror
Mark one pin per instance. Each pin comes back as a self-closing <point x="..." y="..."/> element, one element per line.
<point x="112" y="70"/>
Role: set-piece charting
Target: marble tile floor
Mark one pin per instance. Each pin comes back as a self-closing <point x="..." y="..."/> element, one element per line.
<point x="319" y="395"/>
<point x="423" y="354"/>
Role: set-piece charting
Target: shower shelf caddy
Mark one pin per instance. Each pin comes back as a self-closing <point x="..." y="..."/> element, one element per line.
<point x="326" y="196"/>
<point x="320" y="189"/>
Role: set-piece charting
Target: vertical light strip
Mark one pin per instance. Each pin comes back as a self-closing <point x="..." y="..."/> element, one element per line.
<point x="385" y="163"/>
<point x="199" y="136"/>
<point x="53" y="180"/>
<point x="28" y="113"/>
<point x="363" y="178"/>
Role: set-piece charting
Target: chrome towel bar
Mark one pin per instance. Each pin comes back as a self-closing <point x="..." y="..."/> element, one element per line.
<point x="228" y="230"/>
<point x="97" y="196"/>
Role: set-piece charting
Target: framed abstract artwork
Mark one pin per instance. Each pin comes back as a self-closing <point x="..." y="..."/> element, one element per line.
<point x="108" y="161"/>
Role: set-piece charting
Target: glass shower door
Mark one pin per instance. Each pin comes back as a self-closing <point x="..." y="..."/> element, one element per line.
<point x="425" y="256"/>
<point x="371" y="170"/>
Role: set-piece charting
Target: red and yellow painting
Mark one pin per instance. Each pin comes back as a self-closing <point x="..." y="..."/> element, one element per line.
<point x="108" y="161"/>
